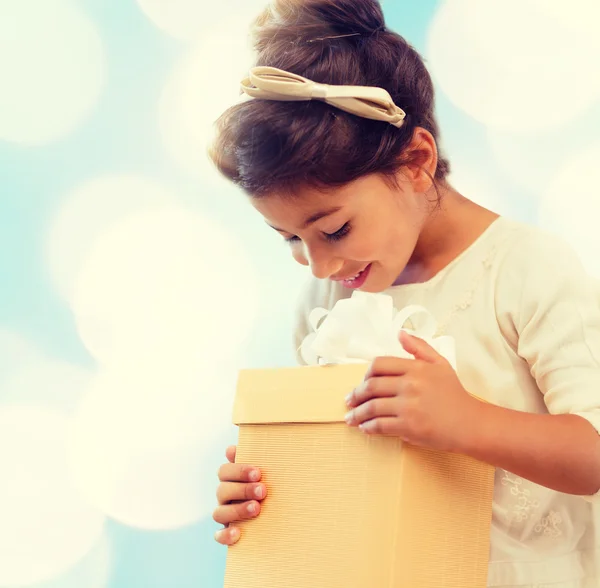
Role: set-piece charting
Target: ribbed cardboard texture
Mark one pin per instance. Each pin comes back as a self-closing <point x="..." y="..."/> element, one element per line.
<point x="345" y="510"/>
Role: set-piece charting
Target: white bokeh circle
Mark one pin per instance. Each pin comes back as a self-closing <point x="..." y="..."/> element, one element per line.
<point x="46" y="526"/>
<point x="16" y="352"/>
<point x="48" y="383"/>
<point x="165" y="283"/>
<point x="190" y="19"/>
<point x="474" y="185"/>
<point x="532" y="160"/>
<point x="581" y="16"/>
<point x="89" y="209"/>
<point x="143" y="441"/>
<point x="92" y="571"/>
<point x="570" y="207"/>
<point x="52" y="69"/>
<point x="202" y="86"/>
<point x="511" y="65"/>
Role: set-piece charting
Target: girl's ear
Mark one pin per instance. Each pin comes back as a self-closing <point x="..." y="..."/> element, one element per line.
<point x="421" y="157"/>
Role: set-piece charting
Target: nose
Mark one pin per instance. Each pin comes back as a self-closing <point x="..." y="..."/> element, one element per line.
<point x="321" y="262"/>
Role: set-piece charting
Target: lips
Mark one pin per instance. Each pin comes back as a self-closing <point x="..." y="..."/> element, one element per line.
<point x="355" y="281"/>
<point x="349" y="278"/>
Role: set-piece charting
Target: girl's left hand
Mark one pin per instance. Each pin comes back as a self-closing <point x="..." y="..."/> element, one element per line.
<point x="420" y="400"/>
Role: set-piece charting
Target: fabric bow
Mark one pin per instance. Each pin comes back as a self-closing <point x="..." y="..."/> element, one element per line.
<point x="270" y="83"/>
<point x="366" y="326"/>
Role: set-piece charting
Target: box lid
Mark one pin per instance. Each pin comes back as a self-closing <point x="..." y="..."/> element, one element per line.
<point x="312" y="394"/>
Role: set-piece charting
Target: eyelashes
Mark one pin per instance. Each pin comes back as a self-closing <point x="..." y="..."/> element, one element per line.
<point x="339" y="234"/>
<point x="333" y="237"/>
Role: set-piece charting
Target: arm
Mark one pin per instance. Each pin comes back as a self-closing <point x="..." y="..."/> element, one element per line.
<point x="547" y="300"/>
<point x="561" y="452"/>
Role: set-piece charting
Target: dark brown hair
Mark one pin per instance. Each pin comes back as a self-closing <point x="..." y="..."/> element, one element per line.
<point x="270" y="147"/>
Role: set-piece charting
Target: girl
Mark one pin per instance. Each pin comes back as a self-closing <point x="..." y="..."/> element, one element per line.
<point x="352" y="178"/>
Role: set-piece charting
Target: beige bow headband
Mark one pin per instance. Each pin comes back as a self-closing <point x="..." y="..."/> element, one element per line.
<point x="269" y="83"/>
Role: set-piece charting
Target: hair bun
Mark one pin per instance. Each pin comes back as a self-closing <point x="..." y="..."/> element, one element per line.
<point x="307" y="20"/>
<point x="348" y="16"/>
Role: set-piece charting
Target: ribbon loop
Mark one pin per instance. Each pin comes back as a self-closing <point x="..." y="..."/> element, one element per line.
<point x="426" y="330"/>
<point x="366" y="326"/>
<point x="270" y="83"/>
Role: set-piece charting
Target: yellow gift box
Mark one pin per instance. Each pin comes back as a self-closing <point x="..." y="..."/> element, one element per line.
<point x="346" y="510"/>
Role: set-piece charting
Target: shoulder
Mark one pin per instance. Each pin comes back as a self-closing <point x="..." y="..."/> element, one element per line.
<point x="533" y="247"/>
<point x="538" y="271"/>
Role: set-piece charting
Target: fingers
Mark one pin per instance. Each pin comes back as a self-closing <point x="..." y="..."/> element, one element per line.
<point x="236" y="491"/>
<point x="419" y="348"/>
<point x="231" y="513"/>
<point x="238" y="495"/>
<point x="228" y="536"/>
<point x="386" y="426"/>
<point x="389" y="366"/>
<point x="373" y="409"/>
<point x="230" y="453"/>
<point x="235" y="472"/>
<point x="382" y="387"/>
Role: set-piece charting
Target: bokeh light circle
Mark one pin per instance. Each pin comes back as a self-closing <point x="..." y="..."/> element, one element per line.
<point x="532" y="160"/>
<point x="143" y="441"/>
<point x="570" y="206"/>
<point x="89" y="209"/>
<point x="16" y="352"/>
<point x="511" y="65"/>
<point x="581" y="16"/>
<point x="52" y="69"/>
<point x="48" y="383"/>
<point x="165" y="283"/>
<point x="203" y="85"/>
<point x="46" y="526"/>
<point x="190" y="19"/>
<point x="92" y="571"/>
<point x="472" y="183"/>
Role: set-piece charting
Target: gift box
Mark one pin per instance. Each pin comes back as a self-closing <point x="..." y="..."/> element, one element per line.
<point x="346" y="510"/>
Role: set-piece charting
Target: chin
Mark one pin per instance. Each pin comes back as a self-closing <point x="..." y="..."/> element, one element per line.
<point x="373" y="288"/>
<point x="375" y="284"/>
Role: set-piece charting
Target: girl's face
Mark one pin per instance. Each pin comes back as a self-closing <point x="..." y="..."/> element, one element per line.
<point x="362" y="234"/>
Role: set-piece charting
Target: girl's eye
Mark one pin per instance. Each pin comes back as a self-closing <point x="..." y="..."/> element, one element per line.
<point x="339" y="234"/>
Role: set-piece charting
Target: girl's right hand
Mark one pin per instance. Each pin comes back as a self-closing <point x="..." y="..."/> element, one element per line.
<point x="239" y="495"/>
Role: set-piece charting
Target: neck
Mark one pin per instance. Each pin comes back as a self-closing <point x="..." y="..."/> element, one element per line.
<point x="450" y="228"/>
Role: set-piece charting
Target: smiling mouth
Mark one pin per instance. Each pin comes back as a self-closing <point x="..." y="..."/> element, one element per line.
<point x="355" y="281"/>
<point x="349" y="278"/>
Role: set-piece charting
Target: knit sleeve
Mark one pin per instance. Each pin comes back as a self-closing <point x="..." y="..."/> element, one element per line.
<point x="553" y="307"/>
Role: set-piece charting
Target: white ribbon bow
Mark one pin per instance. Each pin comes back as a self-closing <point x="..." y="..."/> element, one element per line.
<point x="270" y="83"/>
<point x="366" y="326"/>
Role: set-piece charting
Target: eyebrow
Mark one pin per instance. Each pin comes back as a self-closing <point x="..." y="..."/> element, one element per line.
<point x="313" y="218"/>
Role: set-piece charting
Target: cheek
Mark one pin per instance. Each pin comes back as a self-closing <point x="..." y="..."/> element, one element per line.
<point x="387" y="245"/>
<point x="370" y="247"/>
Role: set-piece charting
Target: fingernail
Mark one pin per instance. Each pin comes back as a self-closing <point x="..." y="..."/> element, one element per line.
<point x="252" y="508"/>
<point x="349" y="417"/>
<point x="349" y="399"/>
<point x="234" y="533"/>
<point x="258" y="492"/>
<point x="254" y="476"/>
